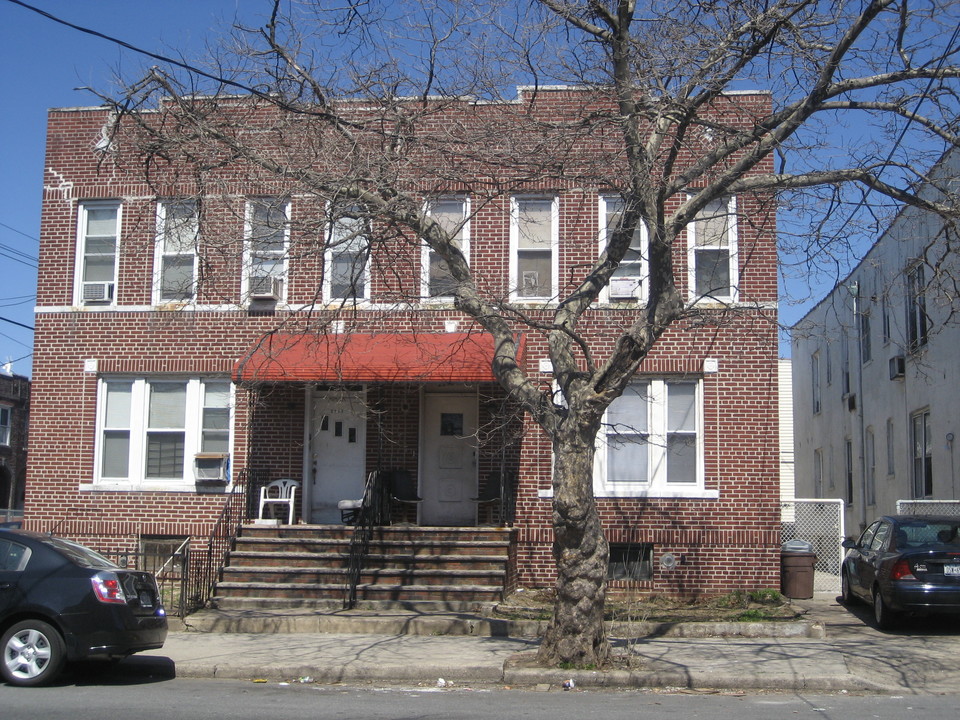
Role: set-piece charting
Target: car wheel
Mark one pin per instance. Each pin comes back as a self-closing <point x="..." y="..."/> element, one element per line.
<point x="846" y="593"/>
<point x="884" y="617"/>
<point x="33" y="653"/>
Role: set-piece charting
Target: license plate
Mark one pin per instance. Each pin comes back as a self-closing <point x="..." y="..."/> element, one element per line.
<point x="951" y="570"/>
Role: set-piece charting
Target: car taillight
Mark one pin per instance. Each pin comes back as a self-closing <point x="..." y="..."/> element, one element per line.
<point x="107" y="588"/>
<point x="901" y="570"/>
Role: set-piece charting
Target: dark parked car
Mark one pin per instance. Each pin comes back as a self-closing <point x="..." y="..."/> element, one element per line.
<point x="60" y="601"/>
<point x="904" y="563"/>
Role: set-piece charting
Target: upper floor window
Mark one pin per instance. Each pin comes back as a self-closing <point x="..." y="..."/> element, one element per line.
<point x="629" y="279"/>
<point x="451" y="214"/>
<point x="347" y="274"/>
<point x="712" y="257"/>
<point x="651" y="442"/>
<point x="534" y="237"/>
<point x="866" y="343"/>
<point x="178" y="227"/>
<point x="815" y="382"/>
<point x="98" y="249"/>
<point x="267" y="235"/>
<point x="151" y="429"/>
<point x="844" y="362"/>
<point x="918" y="323"/>
<point x="885" y="330"/>
<point x="5" y="418"/>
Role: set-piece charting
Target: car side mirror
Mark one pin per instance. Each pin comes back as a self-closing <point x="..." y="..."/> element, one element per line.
<point x="849" y="544"/>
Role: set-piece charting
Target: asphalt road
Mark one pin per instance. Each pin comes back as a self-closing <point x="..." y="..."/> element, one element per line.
<point x="146" y="691"/>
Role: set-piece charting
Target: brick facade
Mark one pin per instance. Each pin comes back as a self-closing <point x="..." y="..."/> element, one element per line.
<point x="725" y="541"/>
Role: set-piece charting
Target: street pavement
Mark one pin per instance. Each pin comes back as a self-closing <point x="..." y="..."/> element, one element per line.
<point x="836" y="649"/>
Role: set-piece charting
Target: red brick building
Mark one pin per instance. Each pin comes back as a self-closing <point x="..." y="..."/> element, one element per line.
<point x="168" y="368"/>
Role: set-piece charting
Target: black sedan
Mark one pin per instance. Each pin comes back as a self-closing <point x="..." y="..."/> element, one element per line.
<point x="60" y="601"/>
<point x="904" y="563"/>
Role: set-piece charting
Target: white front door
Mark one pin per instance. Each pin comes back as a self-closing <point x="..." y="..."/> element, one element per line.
<point x="338" y="441"/>
<point x="448" y="478"/>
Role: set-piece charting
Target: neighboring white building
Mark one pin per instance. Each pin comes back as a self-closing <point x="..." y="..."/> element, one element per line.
<point x="875" y="370"/>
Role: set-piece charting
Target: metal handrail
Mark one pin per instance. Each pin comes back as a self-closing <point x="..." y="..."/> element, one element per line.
<point x="220" y="541"/>
<point x="372" y="513"/>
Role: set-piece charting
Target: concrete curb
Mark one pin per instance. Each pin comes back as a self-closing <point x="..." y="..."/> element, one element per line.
<point x="518" y="671"/>
<point x="274" y="622"/>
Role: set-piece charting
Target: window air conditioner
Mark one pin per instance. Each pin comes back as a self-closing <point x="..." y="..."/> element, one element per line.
<point x="210" y="467"/>
<point x="97" y="292"/>
<point x="898" y="367"/>
<point x="265" y="287"/>
<point x="623" y="287"/>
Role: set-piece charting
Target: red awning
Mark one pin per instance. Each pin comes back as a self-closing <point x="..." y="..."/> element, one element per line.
<point x="363" y="357"/>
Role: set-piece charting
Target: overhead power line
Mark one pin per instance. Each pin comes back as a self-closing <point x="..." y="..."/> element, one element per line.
<point x="19" y="232"/>
<point x="141" y="51"/>
<point x="14" y="322"/>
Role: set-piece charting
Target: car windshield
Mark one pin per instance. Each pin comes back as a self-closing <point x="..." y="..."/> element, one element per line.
<point x="920" y="533"/>
<point x="80" y="555"/>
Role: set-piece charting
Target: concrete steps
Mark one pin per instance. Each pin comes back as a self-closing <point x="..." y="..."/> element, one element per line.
<point x="289" y="566"/>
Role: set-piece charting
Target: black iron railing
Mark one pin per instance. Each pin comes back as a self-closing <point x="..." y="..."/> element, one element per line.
<point x="372" y="513"/>
<point x="171" y="568"/>
<point x="210" y="560"/>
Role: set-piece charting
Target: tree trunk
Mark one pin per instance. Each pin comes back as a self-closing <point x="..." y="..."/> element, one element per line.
<point x="576" y="635"/>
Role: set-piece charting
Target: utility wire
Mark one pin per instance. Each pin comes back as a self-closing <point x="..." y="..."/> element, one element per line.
<point x="14" y="322"/>
<point x="19" y="232"/>
<point x="155" y="56"/>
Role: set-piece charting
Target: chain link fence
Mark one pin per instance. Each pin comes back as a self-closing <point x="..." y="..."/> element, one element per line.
<point x="820" y="523"/>
<point x="928" y="507"/>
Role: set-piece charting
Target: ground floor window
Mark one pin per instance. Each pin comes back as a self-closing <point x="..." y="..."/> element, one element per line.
<point x="651" y="442"/>
<point x="150" y="430"/>
<point x="922" y="455"/>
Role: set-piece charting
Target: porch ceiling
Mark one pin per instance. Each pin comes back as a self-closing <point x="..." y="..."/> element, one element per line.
<point x="367" y="357"/>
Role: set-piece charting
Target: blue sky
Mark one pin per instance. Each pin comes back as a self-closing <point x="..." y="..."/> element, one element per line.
<point x="43" y="63"/>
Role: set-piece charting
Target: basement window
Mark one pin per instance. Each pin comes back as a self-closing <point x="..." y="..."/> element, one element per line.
<point x="630" y="561"/>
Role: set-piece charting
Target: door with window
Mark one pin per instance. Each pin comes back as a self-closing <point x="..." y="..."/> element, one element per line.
<point x="448" y="478"/>
<point x="338" y="450"/>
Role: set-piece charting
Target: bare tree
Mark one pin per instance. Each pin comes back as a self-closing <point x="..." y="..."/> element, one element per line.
<point x="363" y="110"/>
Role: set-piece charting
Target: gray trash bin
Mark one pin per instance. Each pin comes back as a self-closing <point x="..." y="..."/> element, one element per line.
<point x="797" y="561"/>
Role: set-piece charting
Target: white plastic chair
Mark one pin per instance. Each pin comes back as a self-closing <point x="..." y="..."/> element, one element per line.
<point x="278" y="493"/>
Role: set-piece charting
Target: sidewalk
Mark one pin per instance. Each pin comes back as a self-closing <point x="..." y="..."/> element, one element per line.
<point x="851" y="657"/>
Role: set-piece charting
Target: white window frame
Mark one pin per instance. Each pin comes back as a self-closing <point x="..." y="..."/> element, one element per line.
<point x="816" y="392"/>
<point x="917" y="317"/>
<point x="281" y="256"/>
<point x="426" y="252"/>
<point x="331" y="252"/>
<point x="6" y="424"/>
<point x="818" y="473"/>
<point x="656" y="484"/>
<point x="554" y="249"/>
<point x="161" y="253"/>
<point x="640" y="290"/>
<point x="734" y="258"/>
<point x="84" y="209"/>
<point x="921" y="454"/>
<point x="137" y="428"/>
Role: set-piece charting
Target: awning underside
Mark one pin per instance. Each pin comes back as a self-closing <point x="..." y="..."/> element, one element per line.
<point x="365" y="357"/>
